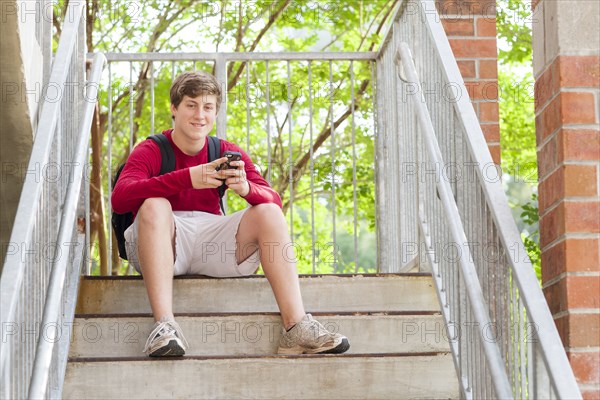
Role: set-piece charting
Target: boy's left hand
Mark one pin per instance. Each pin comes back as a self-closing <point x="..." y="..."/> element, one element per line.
<point x="235" y="178"/>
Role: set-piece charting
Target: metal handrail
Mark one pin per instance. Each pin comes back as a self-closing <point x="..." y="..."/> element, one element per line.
<point x="536" y="362"/>
<point x="26" y="275"/>
<point x="12" y="273"/>
<point x="43" y="355"/>
<point x="553" y="353"/>
<point x="493" y="357"/>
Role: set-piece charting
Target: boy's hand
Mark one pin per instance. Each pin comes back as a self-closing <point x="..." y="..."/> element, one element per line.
<point x="205" y="176"/>
<point x="235" y="178"/>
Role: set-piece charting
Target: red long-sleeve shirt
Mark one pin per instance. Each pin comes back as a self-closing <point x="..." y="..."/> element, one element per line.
<point x="139" y="180"/>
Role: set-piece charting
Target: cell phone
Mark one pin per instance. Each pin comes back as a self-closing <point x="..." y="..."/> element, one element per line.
<point x="231" y="156"/>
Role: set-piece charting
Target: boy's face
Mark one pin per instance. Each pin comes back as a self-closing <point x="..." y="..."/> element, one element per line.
<point x="195" y="117"/>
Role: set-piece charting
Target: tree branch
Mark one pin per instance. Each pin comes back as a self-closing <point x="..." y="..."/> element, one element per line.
<point x="272" y="19"/>
<point x="322" y="137"/>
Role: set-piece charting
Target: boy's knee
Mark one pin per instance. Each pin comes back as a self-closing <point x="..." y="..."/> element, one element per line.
<point x="268" y="210"/>
<point x="154" y="209"/>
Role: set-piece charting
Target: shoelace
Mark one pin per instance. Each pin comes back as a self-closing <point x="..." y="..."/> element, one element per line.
<point x="164" y="328"/>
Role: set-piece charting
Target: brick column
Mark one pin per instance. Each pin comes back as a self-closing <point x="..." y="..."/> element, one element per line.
<point x="471" y="29"/>
<point x="566" y="56"/>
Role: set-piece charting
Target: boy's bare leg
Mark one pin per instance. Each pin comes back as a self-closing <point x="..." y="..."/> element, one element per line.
<point x="264" y="225"/>
<point x="156" y="254"/>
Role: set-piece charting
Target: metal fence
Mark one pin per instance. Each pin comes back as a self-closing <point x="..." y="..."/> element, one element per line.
<point x="306" y="120"/>
<point x="446" y="197"/>
<point x="38" y="287"/>
<point x="311" y="123"/>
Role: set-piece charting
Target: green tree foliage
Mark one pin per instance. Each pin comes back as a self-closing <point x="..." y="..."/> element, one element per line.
<point x="291" y="139"/>
<point x="517" y="119"/>
<point x="513" y="22"/>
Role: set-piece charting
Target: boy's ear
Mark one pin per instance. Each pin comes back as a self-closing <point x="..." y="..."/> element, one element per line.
<point x="173" y="110"/>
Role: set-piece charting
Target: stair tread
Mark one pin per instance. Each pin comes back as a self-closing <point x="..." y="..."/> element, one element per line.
<point x="382" y="313"/>
<point x="256" y="333"/>
<point x="407" y="376"/>
<point x="257" y="276"/>
<point x="331" y="293"/>
<point x="256" y="356"/>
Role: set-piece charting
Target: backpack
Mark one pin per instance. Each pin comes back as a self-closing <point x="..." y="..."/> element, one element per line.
<point x="120" y="222"/>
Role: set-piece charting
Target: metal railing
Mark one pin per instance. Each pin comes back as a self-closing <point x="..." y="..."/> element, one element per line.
<point x="296" y="114"/>
<point x="453" y="214"/>
<point x="45" y="254"/>
<point x="503" y="338"/>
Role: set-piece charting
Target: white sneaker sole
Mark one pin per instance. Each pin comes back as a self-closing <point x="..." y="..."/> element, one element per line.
<point x="338" y="347"/>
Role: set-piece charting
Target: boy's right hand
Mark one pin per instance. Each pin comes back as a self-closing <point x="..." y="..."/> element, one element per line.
<point x="206" y="176"/>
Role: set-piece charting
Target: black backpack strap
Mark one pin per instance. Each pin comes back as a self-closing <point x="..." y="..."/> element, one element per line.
<point x="214" y="152"/>
<point x="166" y="152"/>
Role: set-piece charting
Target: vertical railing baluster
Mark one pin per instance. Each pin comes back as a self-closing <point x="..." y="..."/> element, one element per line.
<point x="354" y="183"/>
<point x="312" y="168"/>
<point x="152" y="97"/>
<point x="375" y="96"/>
<point x="247" y="107"/>
<point x="130" y="108"/>
<point x="290" y="146"/>
<point x="173" y="80"/>
<point x="109" y="180"/>
<point x="221" y="74"/>
<point x="268" y="95"/>
<point x="333" y="210"/>
<point x="86" y="252"/>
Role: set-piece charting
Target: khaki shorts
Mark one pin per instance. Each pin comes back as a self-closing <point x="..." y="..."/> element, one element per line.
<point x="205" y="244"/>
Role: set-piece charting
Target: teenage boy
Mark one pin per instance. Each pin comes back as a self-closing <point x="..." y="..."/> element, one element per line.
<point x="178" y="218"/>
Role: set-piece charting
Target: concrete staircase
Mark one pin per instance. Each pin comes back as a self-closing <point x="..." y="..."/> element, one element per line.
<point x="399" y="349"/>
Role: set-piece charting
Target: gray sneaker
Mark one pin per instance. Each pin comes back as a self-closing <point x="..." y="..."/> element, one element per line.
<point x="166" y="340"/>
<point x="310" y="337"/>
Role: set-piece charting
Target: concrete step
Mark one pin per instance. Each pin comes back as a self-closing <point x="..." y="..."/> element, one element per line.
<point x="351" y="376"/>
<point x="258" y="334"/>
<point x="324" y="293"/>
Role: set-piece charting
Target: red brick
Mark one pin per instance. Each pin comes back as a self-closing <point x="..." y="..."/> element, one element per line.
<point x="583" y="291"/>
<point x="549" y="120"/>
<point x="551" y="189"/>
<point x="495" y="152"/>
<point x="578" y="108"/>
<point x="488" y="69"/>
<point x="547" y="158"/>
<point x="465" y="7"/>
<point x="590" y="394"/>
<point x="582" y="255"/>
<point x="486" y="27"/>
<point x="488" y="112"/>
<point x="580" y="180"/>
<point x="580" y="71"/>
<point x="573" y="292"/>
<point x="547" y="85"/>
<point x="473" y="48"/>
<point x="581" y="145"/>
<point x="579" y="330"/>
<point x="555" y="297"/>
<point x="482" y="90"/>
<point x="467" y="69"/>
<point x="552" y="224"/>
<point x="583" y="216"/>
<point x="459" y="27"/>
<point x="570" y="255"/>
<point x="491" y="132"/>
<point x="586" y="366"/>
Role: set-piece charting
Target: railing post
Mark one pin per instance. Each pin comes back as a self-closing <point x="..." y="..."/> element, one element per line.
<point x="221" y="74"/>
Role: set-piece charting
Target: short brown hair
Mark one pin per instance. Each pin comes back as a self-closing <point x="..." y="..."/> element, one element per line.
<point x="194" y="84"/>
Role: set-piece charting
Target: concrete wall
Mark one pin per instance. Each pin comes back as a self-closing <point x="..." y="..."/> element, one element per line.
<point x="23" y="66"/>
<point x="566" y="56"/>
